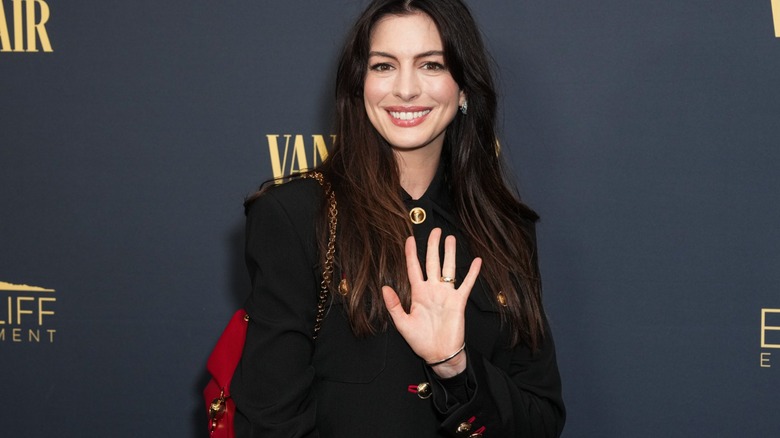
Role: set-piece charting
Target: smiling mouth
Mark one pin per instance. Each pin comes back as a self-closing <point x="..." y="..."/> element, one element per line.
<point x="408" y="115"/>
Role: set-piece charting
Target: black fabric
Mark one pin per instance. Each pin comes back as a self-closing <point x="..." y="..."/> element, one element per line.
<point x="339" y="386"/>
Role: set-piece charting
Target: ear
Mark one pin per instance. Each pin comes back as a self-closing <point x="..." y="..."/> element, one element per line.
<point x="461" y="98"/>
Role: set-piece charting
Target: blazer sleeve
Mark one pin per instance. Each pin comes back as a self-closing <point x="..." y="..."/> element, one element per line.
<point x="272" y="384"/>
<point x="521" y="401"/>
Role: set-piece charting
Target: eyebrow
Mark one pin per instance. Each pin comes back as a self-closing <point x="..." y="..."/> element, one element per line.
<point x="418" y="56"/>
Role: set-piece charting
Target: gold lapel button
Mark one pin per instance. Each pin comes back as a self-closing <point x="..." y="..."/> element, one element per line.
<point x="501" y="299"/>
<point x="417" y="215"/>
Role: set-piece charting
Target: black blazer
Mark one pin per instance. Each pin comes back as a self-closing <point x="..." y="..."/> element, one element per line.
<point x="288" y="385"/>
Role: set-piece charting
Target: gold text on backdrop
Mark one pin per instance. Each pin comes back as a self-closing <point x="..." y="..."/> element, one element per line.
<point x="294" y="153"/>
<point x="25" y="312"/>
<point x="24" y="16"/>
<point x="770" y="334"/>
<point x="776" y="16"/>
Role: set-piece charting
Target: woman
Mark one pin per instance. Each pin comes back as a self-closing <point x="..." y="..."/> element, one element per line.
<point x="414" y="344"/>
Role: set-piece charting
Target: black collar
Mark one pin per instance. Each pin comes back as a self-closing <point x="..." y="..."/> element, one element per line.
<point x="437" y="196"/>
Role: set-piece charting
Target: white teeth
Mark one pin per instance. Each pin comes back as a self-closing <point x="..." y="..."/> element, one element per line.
<point x="408" y="115"/>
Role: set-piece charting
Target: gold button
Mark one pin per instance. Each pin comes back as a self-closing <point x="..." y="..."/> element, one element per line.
<point x="475" y="435"/>
<point x="501" y="298"/>
<point x="464" y="427"/>
<point x="424" y="390"/>
<point x="343" y="287"/>
<point x="417" y="215"/>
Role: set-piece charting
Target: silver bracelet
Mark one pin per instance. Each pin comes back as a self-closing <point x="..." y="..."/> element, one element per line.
<point x="439" y="362"/>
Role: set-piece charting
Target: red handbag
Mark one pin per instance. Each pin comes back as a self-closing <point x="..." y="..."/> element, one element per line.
<point x="224" y="358"/>
<point x="221" y="365"/>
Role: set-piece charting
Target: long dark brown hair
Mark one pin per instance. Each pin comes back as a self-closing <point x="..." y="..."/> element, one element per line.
<point x="372" y="217"/>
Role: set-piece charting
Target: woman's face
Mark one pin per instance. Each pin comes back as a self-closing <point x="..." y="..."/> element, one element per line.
<point x="409" y="94"/>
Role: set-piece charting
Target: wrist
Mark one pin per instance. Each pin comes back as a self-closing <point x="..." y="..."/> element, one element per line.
<point x="448" y="358"/>
<point x="451" y="367"/>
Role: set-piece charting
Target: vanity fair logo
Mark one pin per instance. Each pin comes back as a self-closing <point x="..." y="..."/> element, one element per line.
<point x="26" y="313"/>
<point x="776" y="16"/>
<point x="770" y="335"/>
<point x="289" y="153"/>
<point x="23" y="26"/>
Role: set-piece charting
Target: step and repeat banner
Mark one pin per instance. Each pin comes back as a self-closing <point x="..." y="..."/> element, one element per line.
<point x="646" y="133"/>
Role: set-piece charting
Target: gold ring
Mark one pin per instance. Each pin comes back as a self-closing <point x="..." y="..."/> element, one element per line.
<point x="447" y="279"/>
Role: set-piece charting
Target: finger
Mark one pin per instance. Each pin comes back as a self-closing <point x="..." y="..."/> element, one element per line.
<point x="413" y="269"/>
<point x="432" y="263"/>
<point x="393" y="304"/>
<point x="448" y="267"/>
<point x="471" y="277"/>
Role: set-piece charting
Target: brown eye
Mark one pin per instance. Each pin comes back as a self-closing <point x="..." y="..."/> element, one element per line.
<point x="435" y="66"/>
<point x="380" y="67"/>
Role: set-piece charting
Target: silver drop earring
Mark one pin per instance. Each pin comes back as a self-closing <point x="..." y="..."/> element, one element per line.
<point x="465" y="107"/>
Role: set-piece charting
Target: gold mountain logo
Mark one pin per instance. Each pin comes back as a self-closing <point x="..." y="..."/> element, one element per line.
<point x="22" y="287"/>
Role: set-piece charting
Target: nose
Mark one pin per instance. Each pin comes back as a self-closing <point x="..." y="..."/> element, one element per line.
<point x="406" y="85"/>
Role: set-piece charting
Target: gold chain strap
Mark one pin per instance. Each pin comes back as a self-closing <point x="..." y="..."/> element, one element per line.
<point x="327" y="271"/>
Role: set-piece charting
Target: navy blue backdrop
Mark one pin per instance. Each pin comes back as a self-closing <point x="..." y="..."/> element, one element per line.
<point x="644" y="132"/>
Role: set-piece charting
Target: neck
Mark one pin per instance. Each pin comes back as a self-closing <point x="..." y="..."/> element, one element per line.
<point x="416" y="171"/>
